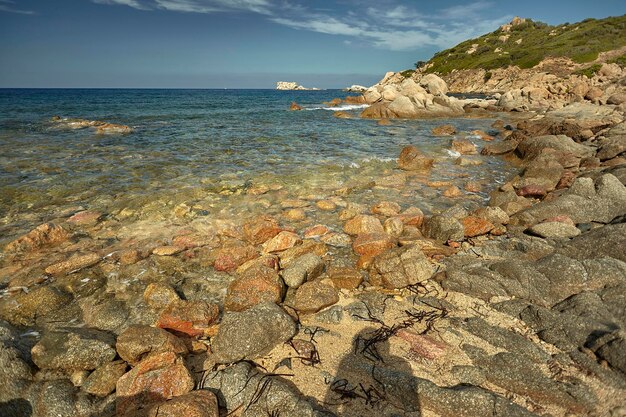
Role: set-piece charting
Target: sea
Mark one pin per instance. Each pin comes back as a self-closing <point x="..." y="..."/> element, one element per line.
<point x="209" y="150"/>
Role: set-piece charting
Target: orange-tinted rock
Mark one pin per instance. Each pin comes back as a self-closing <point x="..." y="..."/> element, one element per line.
<point x="394" y="226"/>
<point x="464" y="147"/>
<point x="283" y="240"/>
<point x="411" y="159"/>
<point x="156" y="378"/>
<point x="326" y="205"/>
<point x="412" y="216"/>
<point x="168" y="250"/>
<point x="443" y="130"/>
<point x="567" y="179"/>
<point x="201" y="403"/>
<point x="192" y="318"/>
<point x="476" y="226"/>
<point x="307" y="246"/>
<point x="295" y="214"/>
<point x="345" y="277"/>
<point x="130" y="256"/>
<point x="42" y="235"/>
<point x="484" y="136"/>
<point x="261" y="229"/>
<point x="73" y="264"/>
<point x="339" y="240"/>
<point x="189" y="241"/>
<point x="316" y="231"/>
<point x="383" y="122"/>
<point x="372" y="244"/>
<point x="361" y="224"/>
<point x="255" y="286"/>
<point x="452" y="191"/>
<point x="536" y="191"/>
<point x="230" y="258"/>
<point x="313" y="296"/>
<point x="158" y="295"/>
<point x="391" y="181"/>
<point x="295" y="106"/>
<point x="473" y="187"/>
<point x="386" y="208"/>
<point x="85" y="218"/>
<point x="138" y="341"/>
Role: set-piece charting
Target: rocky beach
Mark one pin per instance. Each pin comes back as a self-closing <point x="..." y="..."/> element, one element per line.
<point x="477" y="267"/>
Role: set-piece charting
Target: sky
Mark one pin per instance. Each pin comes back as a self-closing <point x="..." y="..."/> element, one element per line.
<point x="246" y="43"/>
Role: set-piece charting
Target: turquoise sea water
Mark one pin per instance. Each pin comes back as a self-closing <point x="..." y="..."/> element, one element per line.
<point x="202" y="146"/>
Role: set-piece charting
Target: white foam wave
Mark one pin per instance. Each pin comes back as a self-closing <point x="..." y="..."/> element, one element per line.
<point x="453" y="154"/>
<point x="340" y="108"/>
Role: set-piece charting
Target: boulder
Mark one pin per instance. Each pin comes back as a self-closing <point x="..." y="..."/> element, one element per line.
<point x="76" y="349"/>
<point x="103" y="380"/>
<point x="138" y="341"/>
<point x="305" y="268"/>
<point x="361" y="224"/>
<point x="434" y="85"/>
<point x="192" y="318"/>
<point x="256" y="285"/>
<point x="252" y="333"/>
<point x="43" y="235"/>
<point x="399" y="267"/>
<point x="554" y="230"/>
<point x="314" y="296"/>
<point x="443" y="228"/>
<point x="411" y="159"/>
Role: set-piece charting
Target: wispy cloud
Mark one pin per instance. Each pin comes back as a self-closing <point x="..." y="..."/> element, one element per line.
<point x="7" y="6"/>
<point x="395" y="26"/>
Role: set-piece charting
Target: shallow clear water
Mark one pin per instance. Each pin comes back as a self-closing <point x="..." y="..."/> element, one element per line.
<point x="202" y="145"/>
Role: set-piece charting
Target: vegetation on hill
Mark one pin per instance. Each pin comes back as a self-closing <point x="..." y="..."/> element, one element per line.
<point x="527" y="43"/>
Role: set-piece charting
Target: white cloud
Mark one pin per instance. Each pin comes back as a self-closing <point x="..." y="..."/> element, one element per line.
<point x="395" y="27"/>
<point x="7" y="6"/>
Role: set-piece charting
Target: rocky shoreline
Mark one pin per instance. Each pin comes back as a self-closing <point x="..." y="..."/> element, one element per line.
<point x="515" y="308"/>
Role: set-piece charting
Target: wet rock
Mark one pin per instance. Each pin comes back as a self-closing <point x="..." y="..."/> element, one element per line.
<point x="43" y="235"/>
<point x="326" y="205"/>
<point x="345" y="277"/>
<point x="316" y="231"/>
<point x="201" y="403"/>
<point x="394" y="226"/>
<point x="555" y="230"/>
<point x="412" y="216"/>
<point x="76" y="349"/>
<point x="288" y="256"/>
<point x="295" y="106"/>
<point x="400" y="267"/>
<point x="499" y="148"/>
<point x="235" y="388"/>
<point x="452" y="191"/>
<point x="532" y="147"/>
<point x="102" y="381"/>
<point x="156" y="378"/>
<point x="296" y="214"/>
<point x="443" y="130"/>
<point x="283" y="240"/>
<point x="252" y="333"/>
<point x="54" y="398"/>
<point x="391" y="181"/>
<point x="14" y="371"/>
<point x="260" y="229"/>
<point x="104" y="313"/>
<point x="138" y="341"/>
<point x="130" y="256"/>
<point x="23" y="308"/>
<point x="305" y="268"/>
<point x="231" y="257"/>
<point x="386" y="208"/>
<point x="313" y="296"/>
<point x="159" y="295"/>
<point x="255" y="286"/>
<point x="372" y="244"/>
<point x="339" y="240"/>
<point x="361" y="224"/>
<point x="168" y="250"/>
<point x="473" y="186"/>
<point x="74" y="263"/>
<point x="192" y="318"/>
<point x="85" y="218"/>
<point x="411" y="159"/>
<point x="464" y="147"/>
<point x="443" y="229"/>
<point x="476" y="226"/>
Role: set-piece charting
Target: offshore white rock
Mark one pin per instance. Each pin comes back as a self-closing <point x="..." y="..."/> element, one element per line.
<point x="291" y="85"/>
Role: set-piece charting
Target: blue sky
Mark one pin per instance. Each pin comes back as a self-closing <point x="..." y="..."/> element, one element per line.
<point x="246" y="43"/>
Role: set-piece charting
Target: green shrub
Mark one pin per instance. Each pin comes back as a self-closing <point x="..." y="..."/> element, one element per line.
<point x="589" y="71"/>
<point x="488" y="75"/>
<point x="407" y="73"/>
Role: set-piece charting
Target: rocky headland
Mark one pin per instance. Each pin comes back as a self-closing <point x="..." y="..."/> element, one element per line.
<point x="291" y="85"/>
<point x="514" y="307"/>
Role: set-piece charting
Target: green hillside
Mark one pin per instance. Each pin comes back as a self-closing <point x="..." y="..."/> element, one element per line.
<point x="579" y="41"/>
